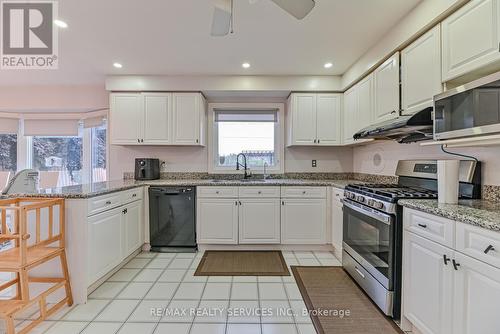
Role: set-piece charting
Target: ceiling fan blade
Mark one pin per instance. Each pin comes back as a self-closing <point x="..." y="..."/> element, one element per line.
<point x="297" y="8"/>
<point x="221" y="21"/>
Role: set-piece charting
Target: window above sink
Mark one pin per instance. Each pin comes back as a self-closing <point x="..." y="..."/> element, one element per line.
<point x="255" y="129"/>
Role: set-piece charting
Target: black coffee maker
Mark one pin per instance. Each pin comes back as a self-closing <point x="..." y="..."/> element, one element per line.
<point x="147" y="169"/>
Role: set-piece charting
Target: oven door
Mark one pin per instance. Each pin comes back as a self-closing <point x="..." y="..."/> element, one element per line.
<point x="368" y="237"/>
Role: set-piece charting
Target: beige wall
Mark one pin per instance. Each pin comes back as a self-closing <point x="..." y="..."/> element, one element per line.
<point x="381" y="158"/>
<point x="194" y="159"/>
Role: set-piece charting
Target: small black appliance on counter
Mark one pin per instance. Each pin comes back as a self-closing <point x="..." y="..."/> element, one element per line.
<point x="147" y="169"/>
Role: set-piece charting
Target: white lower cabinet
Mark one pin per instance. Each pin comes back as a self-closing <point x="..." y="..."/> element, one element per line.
<point x="261" y="215"/>
<point x="477" y="297"/>
<point x="337" y="221"/>
<point x="105" y="243"/>
<point x="217" y="220"/>
<point x="303" y="221"/>
<point x="446" y="291"/>
<point x="259" y="221"/>
<point x="132" y="227"/>
<point x="114" y="234"/>
<point x="428" y="285"/>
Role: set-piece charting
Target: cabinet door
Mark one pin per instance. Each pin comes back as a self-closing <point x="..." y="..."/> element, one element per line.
<point x="349" y="115"/>
<point x="303" y="119"/>
<point x="427" y="285"/>
<point x="337" y="226"/>
<point x="259" y="221"/>
<point x="132" y="228"/>
<point x="303" y="221"/>
<point x="364" y="112"/>
<point x="126" y="118"/>
<point x="328" y="110"/>
<point x="105" y="243"/>
<point x="386" y="89"/>
<point x="187" y="118"/>
<point x="422" y="56"/>
<point x="470" y="38"/>
<point x="477" y="297"/>
<point x="217" y="221"/>
<point x="157" y="118"/>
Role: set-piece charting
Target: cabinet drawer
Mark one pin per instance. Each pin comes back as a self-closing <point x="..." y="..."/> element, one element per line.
<point x="211" y="192"/>
<point x="438" y="229"/>
<point x="479" y="243"/>
<point x="132" y="195"/>
<point x="103" y="203"/>
<point x="303" y="192"/>
<point x="257" y="192"/>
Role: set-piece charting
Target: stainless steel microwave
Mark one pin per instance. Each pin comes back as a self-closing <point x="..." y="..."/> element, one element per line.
<point x="469" y="110"/>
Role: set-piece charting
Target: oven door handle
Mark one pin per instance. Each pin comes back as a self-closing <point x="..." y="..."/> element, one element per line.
<point x="381" y="217"/>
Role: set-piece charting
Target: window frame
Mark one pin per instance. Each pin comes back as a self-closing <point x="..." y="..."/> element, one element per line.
<point x="26" y="156"/>
<point x="213" y="138"/>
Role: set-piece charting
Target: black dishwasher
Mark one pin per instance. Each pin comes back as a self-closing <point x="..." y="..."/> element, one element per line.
<point x="172" y="216"/>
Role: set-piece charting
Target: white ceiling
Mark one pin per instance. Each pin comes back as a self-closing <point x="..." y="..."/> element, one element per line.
<point x="172" y="37"/>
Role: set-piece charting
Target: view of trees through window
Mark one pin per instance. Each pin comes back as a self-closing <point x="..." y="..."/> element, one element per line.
<point x="8" y="153"/>
<point x="99" y="154"/>
<point x="63" y="155"/>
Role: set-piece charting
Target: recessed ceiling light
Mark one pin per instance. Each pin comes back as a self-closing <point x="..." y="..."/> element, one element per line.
<point x="245" y="65"/>
<point x="60" y="24"/>
<point x="328" y="65"/>
<point x="117" y="65"/>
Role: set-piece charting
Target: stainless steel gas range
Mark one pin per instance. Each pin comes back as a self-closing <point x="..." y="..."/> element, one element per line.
<point x="373" y="227"/>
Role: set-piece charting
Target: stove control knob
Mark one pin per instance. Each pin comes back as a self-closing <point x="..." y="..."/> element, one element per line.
<point x="361" y="199"/>
<point x="371" y="202"/>
<point x="378" y="205"/>
<point x="352" y="196"/>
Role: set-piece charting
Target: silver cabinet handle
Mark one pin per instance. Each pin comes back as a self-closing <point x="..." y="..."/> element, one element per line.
<point x="359" y="272"/>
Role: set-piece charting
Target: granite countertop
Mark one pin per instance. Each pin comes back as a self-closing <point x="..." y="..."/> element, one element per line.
<point x="475" y="212"/>
<point x="102" y="188"/>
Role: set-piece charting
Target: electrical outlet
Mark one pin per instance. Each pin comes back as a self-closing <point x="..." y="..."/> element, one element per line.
<point x="314" y="163"/>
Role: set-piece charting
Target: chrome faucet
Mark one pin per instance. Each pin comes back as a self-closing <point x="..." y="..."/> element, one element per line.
<point x="238" y="165"/>
<point x="265" y="167"/>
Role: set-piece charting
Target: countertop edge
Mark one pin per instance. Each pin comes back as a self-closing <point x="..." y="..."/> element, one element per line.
<point x="463" y="212"/>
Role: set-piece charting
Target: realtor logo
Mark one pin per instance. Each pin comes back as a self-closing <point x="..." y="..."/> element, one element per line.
<point x="28" y="36"/>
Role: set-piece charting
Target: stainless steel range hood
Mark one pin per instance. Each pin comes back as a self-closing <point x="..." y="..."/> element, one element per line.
<point x="404" y="129"/>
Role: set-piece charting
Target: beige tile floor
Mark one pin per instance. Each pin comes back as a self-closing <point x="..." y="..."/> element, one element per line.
<point x="165" y="282"/>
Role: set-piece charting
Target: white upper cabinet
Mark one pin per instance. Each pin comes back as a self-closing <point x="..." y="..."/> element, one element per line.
<point x="126" y="118"/>
<point x="349" y="115"/>
<point x="302" y="114"/>
<point x="364" y="113"/>
<point x="421" y="72"/>
<point x="328" y="108"/>
<point x="471" y="38"/>
<point x="386" y="90"/>
<point x="358" y="108"/>
<point x="157" y="119"/>
<point x="314" y="119"/>
<point x="188" y="119"/>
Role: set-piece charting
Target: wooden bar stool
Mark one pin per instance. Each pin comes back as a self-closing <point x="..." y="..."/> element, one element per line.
<point x="23" y="251"/>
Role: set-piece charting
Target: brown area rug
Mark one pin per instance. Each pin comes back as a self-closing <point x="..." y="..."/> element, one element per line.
<point x="331" y="289"/>
<point x="242" y="263"/>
